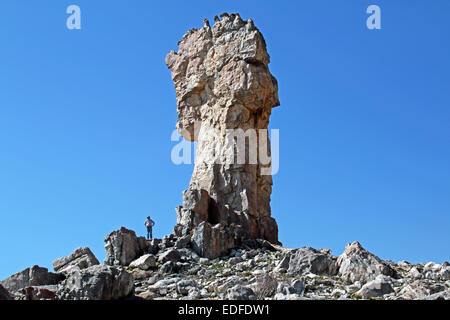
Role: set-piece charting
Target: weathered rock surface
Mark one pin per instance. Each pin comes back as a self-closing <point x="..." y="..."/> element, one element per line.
<point x="223" y="82"/>
<point x="358" y="264"/>
<point x="145" y="262"/>
<point x="81" y="258"/>
<point x="34" y="276"/>
<point x="122" y="247"/>
<point x="99" y="282"/>
<point x="4" y="294"/>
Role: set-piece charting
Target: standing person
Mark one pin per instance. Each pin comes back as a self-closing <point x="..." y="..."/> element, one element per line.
<point x="149" y="223"/>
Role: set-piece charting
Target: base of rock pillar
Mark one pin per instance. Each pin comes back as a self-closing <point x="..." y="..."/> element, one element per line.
<point x="214" y="241"/>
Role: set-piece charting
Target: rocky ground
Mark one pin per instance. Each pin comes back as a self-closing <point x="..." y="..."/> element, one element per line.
<point x="169" y="269"/>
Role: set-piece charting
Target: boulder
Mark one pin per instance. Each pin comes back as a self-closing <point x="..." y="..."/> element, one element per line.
<point x="305" y="260"/>
<point x="99" y="282"/>
<point x="122" y="247"/>
<point x="299" y="286"/>
<point x="39" y="293"/>
<point x="145" y="262"/>
<point x="170" y="255"/>
<point x="285" y="288"/>
<point x="81" y="258"/>
<point x="377" y="288"/>
<point x="184" y="286"/>
<point x="235" y="260"/>
<point x="167" y="241"/>
<point x="34" y="276"/>
<point x="183" y="242"/>
<point x="168" y="267"/>
<point x="239" y="292"/>
<point x="153" y="246"/>
<point x="283" y="265"/>
<point x="4" y="294"/>
<point x="188" y="254"/>
<point x="414" y="273"/>
<point x="358" y="264"/>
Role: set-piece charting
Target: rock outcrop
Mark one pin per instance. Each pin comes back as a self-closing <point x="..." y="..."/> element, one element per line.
<point x="123" y="246"/>
<point x="80" y="258"/>
<point x="257" y="270"/>
<point x="34" y="276"/>
<point x="225" y="93"/>
<point x="358" y="264"/>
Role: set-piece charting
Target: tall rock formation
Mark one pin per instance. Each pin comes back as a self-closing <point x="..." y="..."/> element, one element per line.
<point x="225" y="94"/>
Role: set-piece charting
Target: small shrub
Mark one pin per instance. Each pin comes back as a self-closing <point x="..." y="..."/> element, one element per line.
<point x="266" y="286"/>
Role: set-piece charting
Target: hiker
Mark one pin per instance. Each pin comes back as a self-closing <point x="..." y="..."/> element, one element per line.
<point x="149" y="223"/>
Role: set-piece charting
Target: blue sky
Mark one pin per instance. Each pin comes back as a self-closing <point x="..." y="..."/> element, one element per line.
<point x="86" y="118"/>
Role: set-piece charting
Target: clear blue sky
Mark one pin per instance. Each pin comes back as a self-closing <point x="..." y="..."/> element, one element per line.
<point x="86" y="117"/>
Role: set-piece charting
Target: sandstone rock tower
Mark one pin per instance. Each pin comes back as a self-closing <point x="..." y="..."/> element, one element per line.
<point x="223" y="82"/>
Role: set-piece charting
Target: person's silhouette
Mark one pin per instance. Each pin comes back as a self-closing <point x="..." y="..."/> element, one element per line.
<point x="149" y="223"/>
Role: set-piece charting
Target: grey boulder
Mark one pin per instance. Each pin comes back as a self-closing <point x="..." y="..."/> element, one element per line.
<point x="168" y="267"/>
<point x="123" y="246"/>
<point x="377" y="288"/>
<point x="358" y="264"/>
<point x="239" y="292"/>
<point x="184" y="286"/>
<point x="299" y="286"/>
<point x="99" y="282"/>
<point x="305" y="260"/>
<point x="170" y="255"/>
<point x="183" y="242"/>
<point x="80" y="258"/>
<point x="145" y="262"/>
<point x="153" y="246"/>
<point x="34" y="276"/>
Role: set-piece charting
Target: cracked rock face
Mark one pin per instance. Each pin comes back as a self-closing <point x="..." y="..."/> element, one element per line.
<point x="122" y="247"/>
<point x="223" y="89"/>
